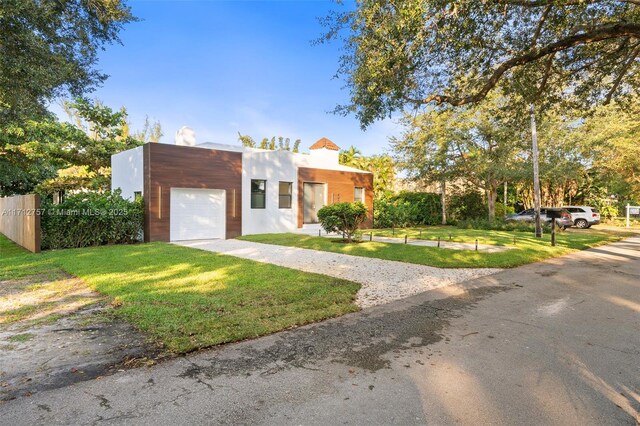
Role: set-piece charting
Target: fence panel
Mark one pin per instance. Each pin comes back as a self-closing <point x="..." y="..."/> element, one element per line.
<point x="20" y="220"/>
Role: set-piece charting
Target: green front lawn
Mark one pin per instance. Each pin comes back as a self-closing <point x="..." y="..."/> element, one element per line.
<point x="527" y="248"/>
<point x="189" y="299"/>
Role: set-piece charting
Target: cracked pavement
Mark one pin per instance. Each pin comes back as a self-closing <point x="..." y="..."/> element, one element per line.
<point x="555" y="342"/>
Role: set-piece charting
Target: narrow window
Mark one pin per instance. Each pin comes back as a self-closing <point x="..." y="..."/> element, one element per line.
<point x="258" y="193"/>
<point x="137" y="195"/>
<point x="284" y="200"/>
<point x="358" y="194"/>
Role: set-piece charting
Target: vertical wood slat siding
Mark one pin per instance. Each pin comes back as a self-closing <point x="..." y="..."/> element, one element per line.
<point x="340" y="188"/>
<point x="172" y="166"/>
<point x="20" y="220"/>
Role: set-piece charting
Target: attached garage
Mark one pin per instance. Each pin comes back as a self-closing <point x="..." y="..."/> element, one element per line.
<point x="197" y="214"/>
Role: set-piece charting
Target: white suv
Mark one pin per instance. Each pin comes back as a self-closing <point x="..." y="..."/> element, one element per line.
<point x="584" y="216"/>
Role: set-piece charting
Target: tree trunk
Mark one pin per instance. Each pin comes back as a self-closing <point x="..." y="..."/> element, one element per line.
<point x="443" y="199"/>
<point x="492" y="196"/>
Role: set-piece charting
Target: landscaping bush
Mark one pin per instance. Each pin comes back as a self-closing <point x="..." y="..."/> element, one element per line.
<point x="502" y="212"/>
<point x="407" y="209"/>
<point x="467" y="205"/>
<point x="91" y="219"/>
<point x="500" y="225"/>
<point x="343" y="217"/>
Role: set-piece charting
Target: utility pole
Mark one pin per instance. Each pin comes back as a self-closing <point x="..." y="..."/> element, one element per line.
<point x="443" y="192"/>
<point x="504" y="197"/>
<point x="536" y="173"/>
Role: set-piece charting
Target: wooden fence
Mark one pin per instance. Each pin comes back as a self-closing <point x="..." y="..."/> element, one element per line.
<point x="20" y="220"/>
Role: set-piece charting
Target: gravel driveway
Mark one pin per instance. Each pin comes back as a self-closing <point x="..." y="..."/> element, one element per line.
<point x="382" y="280"/>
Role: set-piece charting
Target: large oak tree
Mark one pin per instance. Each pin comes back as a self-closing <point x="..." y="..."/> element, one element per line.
<point x="403" y="53"/>
<point x="50" y="48"/>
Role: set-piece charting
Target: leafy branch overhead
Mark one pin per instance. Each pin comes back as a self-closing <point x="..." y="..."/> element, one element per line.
<point x="401" y="53"/>
<point x="50" y="49"/>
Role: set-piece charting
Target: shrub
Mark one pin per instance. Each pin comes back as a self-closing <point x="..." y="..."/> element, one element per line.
<point x="499" y="225"/>
<point x="467" y="205"/>
<point x="407" y="209"/>
<point x="91" y="219"/>
<point x="343" y="217"/>
<point x="501" y="212"/>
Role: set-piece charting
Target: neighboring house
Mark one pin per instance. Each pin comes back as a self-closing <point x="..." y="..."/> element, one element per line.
<point x="223" y="191"/>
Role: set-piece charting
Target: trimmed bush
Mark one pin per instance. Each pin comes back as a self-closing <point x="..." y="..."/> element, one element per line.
<point x="91" y="219"/>
<point x="343" y="218"/>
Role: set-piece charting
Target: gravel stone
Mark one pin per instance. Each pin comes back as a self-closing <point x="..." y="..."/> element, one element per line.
<point x="382" y="281"/>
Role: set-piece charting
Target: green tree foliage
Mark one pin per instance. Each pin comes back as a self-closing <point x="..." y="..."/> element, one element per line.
<point x="344" y="218"/>
<point x="401" y="53"/>
<point x="280" y="143"/>
<point x="53" y="156"/>
<point x="50" y="48"/>
<point x="611" y="137"/>
<point x="382" y="166"/>
<point x="478" y="144"/>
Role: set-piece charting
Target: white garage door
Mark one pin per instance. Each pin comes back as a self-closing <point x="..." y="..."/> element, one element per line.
<point x="197" y="214"/>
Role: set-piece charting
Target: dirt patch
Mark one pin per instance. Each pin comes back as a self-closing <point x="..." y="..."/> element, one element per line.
<point x="55" y="331"/>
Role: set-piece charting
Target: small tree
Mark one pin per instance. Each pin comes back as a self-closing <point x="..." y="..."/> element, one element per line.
<point x="343" y="217"/>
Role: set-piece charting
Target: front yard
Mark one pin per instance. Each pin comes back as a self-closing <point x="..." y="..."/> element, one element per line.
<point x="527" y="248"/>
<point x="184" y="299"/>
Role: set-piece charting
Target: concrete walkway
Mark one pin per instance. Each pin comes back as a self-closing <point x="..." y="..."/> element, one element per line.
<point x="382" y="280"/>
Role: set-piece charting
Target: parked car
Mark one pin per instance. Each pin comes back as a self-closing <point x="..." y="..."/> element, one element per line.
<point x="529" y="216"/>
<point x="584" y="216"/>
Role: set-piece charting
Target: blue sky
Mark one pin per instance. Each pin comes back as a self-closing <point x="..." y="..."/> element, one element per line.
<point x="226" y="66"/>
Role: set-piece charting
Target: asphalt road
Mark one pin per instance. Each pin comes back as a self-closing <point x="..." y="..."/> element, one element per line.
<point x="556" y="342"/>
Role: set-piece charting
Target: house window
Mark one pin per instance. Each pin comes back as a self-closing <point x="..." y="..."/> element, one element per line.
<point x="284" y="195"/>
<point x="358" y="194"/>
<point x="137" y="195"/>
<point x="258" y="193"/>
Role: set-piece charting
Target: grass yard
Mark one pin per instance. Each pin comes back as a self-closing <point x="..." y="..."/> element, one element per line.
<point x="187" y="299"/>
<point x="527" y="248"/>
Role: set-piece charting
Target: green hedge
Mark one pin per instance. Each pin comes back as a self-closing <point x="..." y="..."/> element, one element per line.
<point x="501" y="225"/>
<point x="91" y="219"/>
<point x="407" y="209"/>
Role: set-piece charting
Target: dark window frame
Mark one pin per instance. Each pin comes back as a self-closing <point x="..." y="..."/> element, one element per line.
<point x="262" y="192"/>
<point x="282" y="196"/>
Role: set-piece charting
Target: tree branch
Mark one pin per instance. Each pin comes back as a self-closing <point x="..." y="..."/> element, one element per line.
<point x="538" y="30"/>
<point x="601" y="33"/>
<point x="540" y="3"/>
<point x="625" y="67"/>
<point x="545" y="76"/>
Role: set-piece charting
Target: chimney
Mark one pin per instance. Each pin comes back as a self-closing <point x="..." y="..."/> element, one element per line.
<point x="326" y="151"/>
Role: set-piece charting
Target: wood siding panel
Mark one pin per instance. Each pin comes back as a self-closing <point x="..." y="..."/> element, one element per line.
<point x="340" y="188"/>
<point x="20" y="220"/>
<point x="172" y="166"/>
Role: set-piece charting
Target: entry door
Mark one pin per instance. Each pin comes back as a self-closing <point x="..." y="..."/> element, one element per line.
<point x="313" y="194"/>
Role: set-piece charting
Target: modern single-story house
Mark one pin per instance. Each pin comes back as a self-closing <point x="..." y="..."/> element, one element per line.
<point x="223" y="191"/>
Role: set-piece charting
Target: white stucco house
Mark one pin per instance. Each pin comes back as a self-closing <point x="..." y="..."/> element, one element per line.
<point x="214" y="190"/>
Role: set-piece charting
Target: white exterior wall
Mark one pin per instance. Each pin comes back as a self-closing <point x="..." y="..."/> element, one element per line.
<point x="272" y="166"/>
<point x="127" y="172"/>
